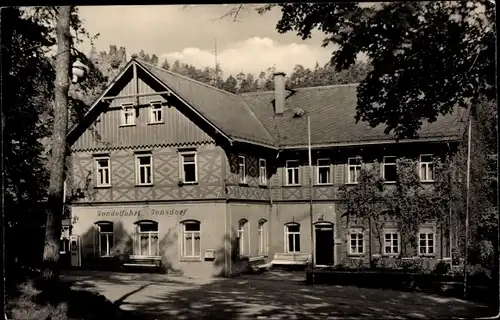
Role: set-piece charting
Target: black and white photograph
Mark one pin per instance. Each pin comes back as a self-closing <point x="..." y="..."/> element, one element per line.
<point x="298" y="160"/>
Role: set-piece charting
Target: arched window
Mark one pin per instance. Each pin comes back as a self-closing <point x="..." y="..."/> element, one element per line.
<point x="147" y="240"/>
<point x="244" y="237"/>
<point x="263" y="234"/>
<point x="191" y="239"/>
<point x="105" y="242"/>
<point x="292" y="237"/>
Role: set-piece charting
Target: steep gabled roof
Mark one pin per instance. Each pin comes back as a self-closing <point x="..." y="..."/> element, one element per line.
<point x="250" y="117"/>
<point x="227" y="110"/>
<point x="331" y="110"/>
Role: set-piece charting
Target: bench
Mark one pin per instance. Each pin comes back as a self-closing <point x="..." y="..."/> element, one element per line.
<point x="144" y="261"/>
<point x="257" y="263"/>
<point x="291" y="259"/>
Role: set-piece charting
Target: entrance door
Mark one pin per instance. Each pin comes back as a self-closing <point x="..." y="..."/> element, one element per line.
<point x="324" y="244"/>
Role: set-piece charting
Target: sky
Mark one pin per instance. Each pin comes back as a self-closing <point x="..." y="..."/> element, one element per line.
<point x="189" y="34"/>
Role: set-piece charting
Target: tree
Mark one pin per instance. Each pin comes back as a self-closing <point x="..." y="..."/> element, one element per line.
<point x="365" y="202"/>
<point x="230" y="84"/>
<point x="58" y="156"/>
<point x="28" y="36"/>
<point x="445" y="50"/>
<point x="28" y="82"/>
<point x="165" y="65"/>
<point x="407" y="202"/>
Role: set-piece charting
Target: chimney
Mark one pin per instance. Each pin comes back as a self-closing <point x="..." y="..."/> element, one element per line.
<point x="279" y="92"/>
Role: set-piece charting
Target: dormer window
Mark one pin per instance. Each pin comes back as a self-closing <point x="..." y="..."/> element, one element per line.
<point x="128" y="117"/>
<point x="156" y="112"/>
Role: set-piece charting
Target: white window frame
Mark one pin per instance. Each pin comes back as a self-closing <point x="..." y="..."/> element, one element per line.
<point x="322" y="166"/>
<point x="242" y="169"/>
<point x="182" y="163"/>
<point x="294" y="233"/>
<point x="392" y="232"/>
<point x="359" y="235"/>
<point x="427" y="164"/>
<point x="288" y="168"/>
<point x="262" y="172"/>
<point x="138" y="167"/>
<point x="156" y="108"/>
<point x="108" y="235"/>
<point x="427" y="231"/>
<point x="262" y="232"/>
<point x="98" y="169"/>
<point x="357" y="168"/>
<point x="129" y="109"/>
<point x="193" y="234"/>
<point x="384" y="164"/>
<point x="243" y="228"/>
<point x="149" y="233"/>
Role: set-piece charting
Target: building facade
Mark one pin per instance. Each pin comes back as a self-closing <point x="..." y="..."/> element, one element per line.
<point x="166" y="168"/>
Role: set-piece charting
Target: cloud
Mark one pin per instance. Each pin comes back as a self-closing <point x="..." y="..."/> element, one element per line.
<point x="254" y="55"/>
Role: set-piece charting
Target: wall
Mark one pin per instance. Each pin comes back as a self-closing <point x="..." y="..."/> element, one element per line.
<point x="165" y="177"/>
<point x="213" y="230"/>
<point x="284" y="213"/>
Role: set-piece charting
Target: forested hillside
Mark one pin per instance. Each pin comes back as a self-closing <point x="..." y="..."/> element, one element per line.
<point x="110" y="63"/>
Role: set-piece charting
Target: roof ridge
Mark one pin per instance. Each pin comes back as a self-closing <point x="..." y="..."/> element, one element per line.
<point x="184" y="77"/>
<point x="256" y="118"/>
<point x="305" y="88"/>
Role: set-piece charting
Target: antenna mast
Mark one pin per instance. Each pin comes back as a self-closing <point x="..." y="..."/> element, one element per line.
<point x="216" y="78"/>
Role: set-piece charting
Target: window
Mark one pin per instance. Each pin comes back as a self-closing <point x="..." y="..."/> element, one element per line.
<point x="390" y="169"/>
<point x="356" y="241"/>
<point x="128" y="117"/>
<point x="244" y="237"/>
<point x="391" y="242"/>
<point x="354" y="168"/>
<point x="189" y="173"/>
<point x="292" y="238"/>
<point x="105" y="230"/>
<point x="426" y="241"/>
<point x="323" y="171"/>
<point x="191" y="237"/>
<point x="426" y="168"/>
<point x="156" y="112"/>
<point x="147" y="241"/>
<point x="103" y="172"/>
<point x="242" y="169"/>
<point x="292" y="172"/>
<point x="144" y="169"/>
<point x="262" y="231"/>
<point x="262" y="172"/>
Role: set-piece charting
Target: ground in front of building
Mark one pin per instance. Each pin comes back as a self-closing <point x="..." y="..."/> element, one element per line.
<point x="269" y="295"/>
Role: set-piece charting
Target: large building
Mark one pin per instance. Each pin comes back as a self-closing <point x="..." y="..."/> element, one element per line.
<point x="164" y="168"/>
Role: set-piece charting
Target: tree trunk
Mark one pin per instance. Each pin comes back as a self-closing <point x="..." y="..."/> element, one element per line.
<point x="58" y="156"/>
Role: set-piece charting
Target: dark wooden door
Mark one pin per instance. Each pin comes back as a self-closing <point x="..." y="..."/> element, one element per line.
<point x="324" y="245"/>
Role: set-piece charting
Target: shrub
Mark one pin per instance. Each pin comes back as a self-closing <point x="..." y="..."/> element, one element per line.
<point x="442" y="268"/>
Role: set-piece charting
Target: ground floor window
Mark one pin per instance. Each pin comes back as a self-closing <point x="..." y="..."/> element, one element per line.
<point x="147" y="239"/>
<point x="426" y="241"/>
<point x="292" y="237"/>
<point x="105" y="238"/>
<point x="262" y="231"/>
<point x="243" y="237"/>
<point x="191" y="237"/>
<point x="356" y="241"/>
<point x="391" y="242"/>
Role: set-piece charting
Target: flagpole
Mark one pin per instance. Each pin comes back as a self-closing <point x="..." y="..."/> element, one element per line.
<point x="311" y="195"/>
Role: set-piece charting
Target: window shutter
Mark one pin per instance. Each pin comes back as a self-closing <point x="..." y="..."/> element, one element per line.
<point x="332" y="172"/>
<point x="96" y="240"/>
<point x="179" y="164"/>
<point x="284" y="173"/>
